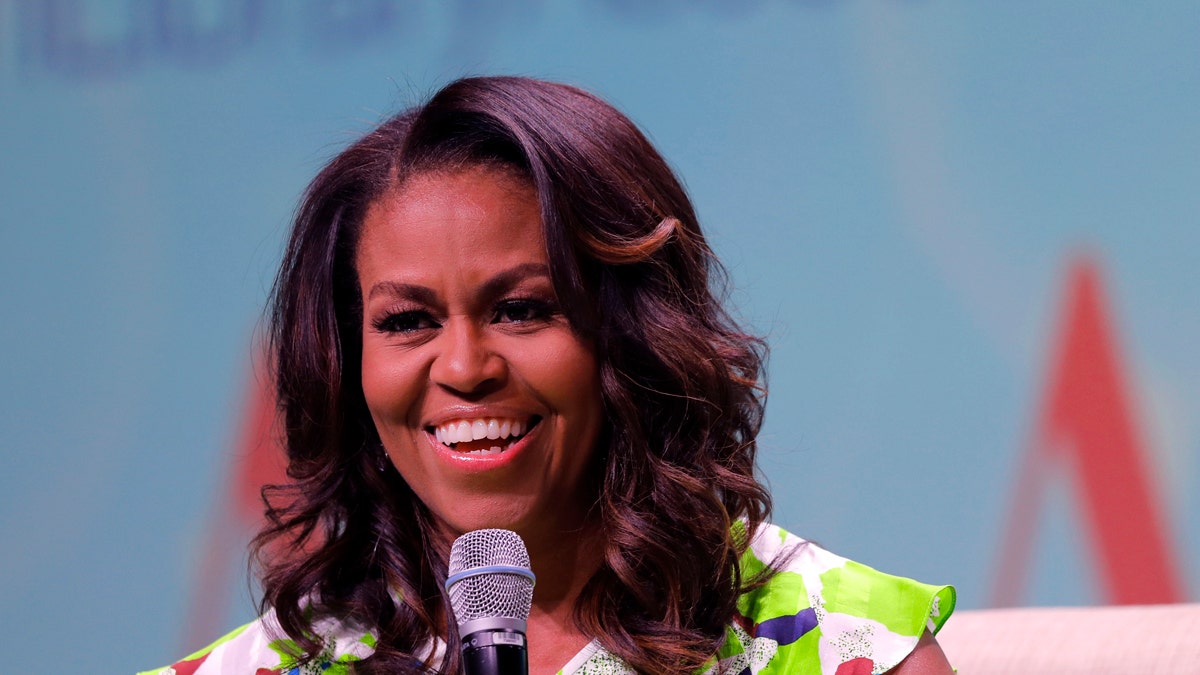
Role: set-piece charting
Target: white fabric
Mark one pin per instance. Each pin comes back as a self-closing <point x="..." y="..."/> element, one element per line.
<point x="1142" y="639"/>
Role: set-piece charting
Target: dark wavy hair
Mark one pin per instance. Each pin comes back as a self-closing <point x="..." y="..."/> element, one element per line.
<point x="682" y="388"/>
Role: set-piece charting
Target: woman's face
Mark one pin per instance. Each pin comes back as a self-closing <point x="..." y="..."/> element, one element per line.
<point x="486" y="400"/>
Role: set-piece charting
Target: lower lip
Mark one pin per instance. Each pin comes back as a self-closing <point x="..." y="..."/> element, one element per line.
<point x="479" y="462"/>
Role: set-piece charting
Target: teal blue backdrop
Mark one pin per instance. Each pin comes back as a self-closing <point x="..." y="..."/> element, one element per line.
<point x="898" y="188"/>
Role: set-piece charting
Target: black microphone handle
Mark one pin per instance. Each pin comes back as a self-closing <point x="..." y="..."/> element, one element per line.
<point x="495" y="652"/>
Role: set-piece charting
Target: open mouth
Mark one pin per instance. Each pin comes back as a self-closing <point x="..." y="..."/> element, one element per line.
<point x="483" y="436"/>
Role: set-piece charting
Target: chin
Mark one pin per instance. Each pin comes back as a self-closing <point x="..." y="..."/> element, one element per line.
<point x="479" y="514"/>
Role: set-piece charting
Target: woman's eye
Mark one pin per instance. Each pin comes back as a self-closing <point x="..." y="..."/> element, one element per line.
<point x="404" y="322"/>
<point x="522" y="311"/>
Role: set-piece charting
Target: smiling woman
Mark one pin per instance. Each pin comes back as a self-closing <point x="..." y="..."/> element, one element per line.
<point x="498" y="310"/>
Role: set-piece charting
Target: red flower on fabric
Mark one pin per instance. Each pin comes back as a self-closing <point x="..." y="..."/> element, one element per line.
<point x="859" y="666"/>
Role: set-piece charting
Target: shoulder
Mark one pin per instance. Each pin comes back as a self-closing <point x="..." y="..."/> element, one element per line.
<point x="822" y="613"/>
<point x="262" y="648"/>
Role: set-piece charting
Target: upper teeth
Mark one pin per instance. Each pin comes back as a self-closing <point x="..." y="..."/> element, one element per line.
<point x="463" y="431"/>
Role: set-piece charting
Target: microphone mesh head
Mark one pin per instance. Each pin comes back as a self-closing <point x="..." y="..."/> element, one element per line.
<point x="491" y="594"/>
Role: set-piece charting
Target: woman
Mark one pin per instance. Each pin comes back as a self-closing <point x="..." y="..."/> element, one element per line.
<point x="497" y="310"/>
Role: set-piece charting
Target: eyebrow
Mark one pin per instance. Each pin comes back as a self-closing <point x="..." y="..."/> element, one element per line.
<point x="494" y="286"/>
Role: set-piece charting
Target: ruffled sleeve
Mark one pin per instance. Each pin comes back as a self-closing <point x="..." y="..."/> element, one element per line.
<point x="869" y="618"/>
<point x="822" y="613"/>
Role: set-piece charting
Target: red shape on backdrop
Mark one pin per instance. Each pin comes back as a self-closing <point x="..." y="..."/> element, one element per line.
<point x="1087" y="424"/>
<point x="258" y="460"/>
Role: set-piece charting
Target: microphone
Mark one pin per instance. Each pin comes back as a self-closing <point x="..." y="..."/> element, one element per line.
<point x="491" y="591"/>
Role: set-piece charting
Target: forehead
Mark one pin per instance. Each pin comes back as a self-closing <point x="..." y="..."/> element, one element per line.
<point x="476" y="211"/>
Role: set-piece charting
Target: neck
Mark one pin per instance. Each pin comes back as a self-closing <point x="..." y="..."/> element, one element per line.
<point x="563" y="565"/>
<point x="563" y="568"/>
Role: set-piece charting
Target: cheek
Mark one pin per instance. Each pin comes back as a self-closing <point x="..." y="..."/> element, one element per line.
<point x="372" y="381"/>
<point x="388" y="384"/>
<point x="570" y="378"/>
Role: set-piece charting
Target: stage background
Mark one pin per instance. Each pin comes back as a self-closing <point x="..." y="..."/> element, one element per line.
<point x="902" y="190"/>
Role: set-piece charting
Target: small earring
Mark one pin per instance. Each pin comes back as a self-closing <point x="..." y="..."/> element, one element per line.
<point x="381" y="460"/>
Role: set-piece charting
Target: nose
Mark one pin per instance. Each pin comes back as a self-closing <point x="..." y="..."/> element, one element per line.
<point x="466" y="364"/>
